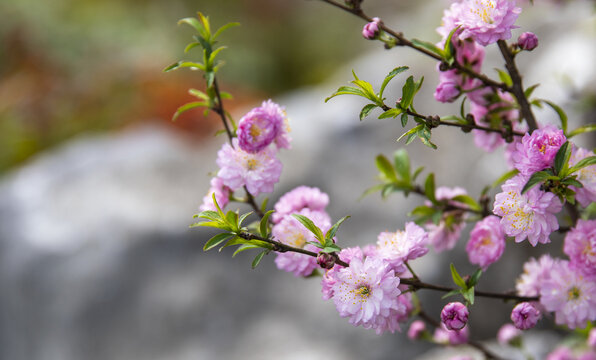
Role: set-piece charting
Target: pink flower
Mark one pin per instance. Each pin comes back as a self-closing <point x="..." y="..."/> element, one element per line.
<point x="580" y="246"/>
<point x="444" y="236"/>
<point x="261" y="126"/>
<point x="291" y="232"/>
<point x="222" y="195"/>
<point x="452" y="337"/>
<point x="300" y="198"/>
<point x="487" y="21"/>
<point x="527" y="41"/>
<point x="454" y="316"/>
<point x="587" y="176"/>
<point x="534" y="275"/>
<point x="561" y="353"/>
<point x="508" y="334"/>
<point x="525" y="316"/>
<point x="258" y="171"/>
<point x="329" y="278"/>
<point x="492" y="111"/>
<point x="487" y="242"/>
<point x="398" y="247"/>
<point x="367" y="293"/>
<point x="371" y="30"/>
<point x="417" y="328"/>
<point x="570" y="295"/>
<point x="537" y="151"/>
<point x="447" y="90"/>
<point x="531" y="215"/>
<point x="592" y="339"/>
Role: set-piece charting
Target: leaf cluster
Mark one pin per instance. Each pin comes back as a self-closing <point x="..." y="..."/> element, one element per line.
<point x="325" y="242"/>
<point x="466" y="286"/>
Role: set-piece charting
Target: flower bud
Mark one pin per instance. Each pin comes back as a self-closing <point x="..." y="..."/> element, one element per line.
<point x="455" y="316"/>
<point x="508" y="335"/>
<point x="446" y="91"/>
<point x="325" y="260"/>
<point x="525" y="316"/>
<point x="527" y="41"/>
<point x="417" y="328"/>
<point x="371" y="30"/>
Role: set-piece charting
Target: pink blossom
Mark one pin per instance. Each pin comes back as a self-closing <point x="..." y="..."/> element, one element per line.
<point x="537" y="151"/>
<point x="261" y="126"/>
<point x="534" y="275"/>
<point x="454" y="316"/>
<point x="531" y="215"/>
<point x="592" y="339"/>
<point x="580" y="246"/>
<point x="527" y="41"/>
<point x="371" y="30"/>
<point x="367" y="293"/>
<point x="486" y="21"/>
<point x="487" y="242"/>
<point x="291" y="232"/>
<point x="452" y="337"/>
<point x="401" y="246"/>
<point x="444" y="236"/>
<point x="492" y="111"/>
<point x="300" y="198"/>
<point x="561" y="353"/>
<point x="589" y="355"/>
<point x="508" y="334"/>
<point x="329" y="278"/>
<point x="258" y="171"/>
<point x="222" y="195"/>
<point x="570" y="295"/>
<point x="587" y="176"/>
<point x="447" y="90"/>
<point x="417" y="328"/>
<point x="525" y="316"/>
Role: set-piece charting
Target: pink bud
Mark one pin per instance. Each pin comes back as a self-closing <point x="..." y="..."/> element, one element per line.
<point x="325" y="260"/>
<point x="455" y="316"/>
<point x="527" y="41"/>
<point x="417" y="328"/>
<point x="525" y="316"/>
<point x="371" y="30"/>
<point x="508" y="334"/>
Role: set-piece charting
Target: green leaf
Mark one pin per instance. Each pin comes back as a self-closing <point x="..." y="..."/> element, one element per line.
<point x="429" y="188"/>
<point x="311" y="227"/>
<point x="428" y="46"/>
<point x="199" y="94"/>
<point x="407" y="93"/>
<point x="371" y="190"/>
<point x="390" y="76"/>
<point x="413" y="130"/>
<point x="401" y="160"/>
<point x="331" y="248"/>
<point x="192" y="22"/>
<point x="209" y="214"/>
<point x="264" y="204"/>
<point x="258" y="258"/>
<point x="505" y="77"/>
<point x="451" y="293"/>
<point x="331" y="233"/>
<point x="210" y="77"/>
<point x="263" y="226"/>
<point x="528" y="92"/>
<point x="559" y="112"/>
<point x="448" y="49"/>
<point x="535" y="179"/>
<point x="232" y="220"/>
<point x="581" y="130"/>
<point x="191" y="46"/>
<point x="216" y="240"/>
<point x="188" y="106"/>
<point x="474" y="278"/>
<point x="468" y="200"/>
<point x="404" y="119"/>
<point x="346" y="90"/>
<point x="562" y="159"/>
<point x="391" y="113"/>
<point x="591" y="160"/>
<point x="469" y="295"/>
<point x="184" y="64"/>
<point x="366" y="110"/>
<point x="417" y="172"/>
<point x="424" y="135"/>
<point x="386" y="168"/>
<point x="367" y="90"/>
<point x="245" y="247"/>
<point x="213" y="224"/>
<point x="508" y="175"/>
<point x="457" y="279"/>
<point x="224" y="28"/>
<point x="214" y="54"/>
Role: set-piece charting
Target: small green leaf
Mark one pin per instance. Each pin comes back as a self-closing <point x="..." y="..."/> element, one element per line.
<point x="451" y="293"/>
<point x="505" y="77"/>
<point x="311" y="227"/>
<point x="404" y="119"/>
<point x="559" y="112"/>
<point x="417" y="172"/>
<point x="192" y="22"/>
<point x="263" y="226"/>
<point x="562" y="159"/>
<point x="331" y="233"/>
<point x="528" y="92"/>
<point x="457" y="279"/>
<point x="188" y="106"/>
<point x="367" y="90"/>
<point x="346" y="90"/>
<point x="413" y="130"/>
<point x="468" y="200"/>
<point x="209" y="214"/>
<point x="589" y="161"/>
<point x="581" y="130"/>
<point x="535" y="179"/>
<point x="407" y="93"/>
<point x="258" y="258"/>
<point x="232" y="220"/>
<point x="448" y="48"/>
<point x="366" y="110"/>
<point x="385" y="168"/>
<point x="243" y="217"/>
<point x="474" y="278"/>
<point x="401" y="160"/>
<point x="224" y="28"/>
<point x="428" y="46"/>
<point x="331" y="248"/>
<point x="390" y="76"/>
<point x="210" y="77"/>
<point x="245" y="247"/>
<point x="469" y="295"/>
<point x="391" y="113"/>
<point x="429" y="188"/>
<point x="508" y="175"/>
<point x="199" y="94"/>
<point x="216" y="240"/>
<point x="184" y="64"/>
<point x="264" y="204"/>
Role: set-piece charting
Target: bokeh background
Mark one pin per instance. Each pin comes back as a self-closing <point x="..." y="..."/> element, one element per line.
<point x="98" y="186"/>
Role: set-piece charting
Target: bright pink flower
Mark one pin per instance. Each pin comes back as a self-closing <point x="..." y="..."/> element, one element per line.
<point x="417" y="328"/>
<point x="447" y="90"/>
<point x="401" y="246"/>
<point x="487" y="21"/>
<point x="261" y="126"/>
<point x="222" y="195"/>
<point x="580" y="246"/>
<point x="454" y="316"/>
<point x="531" y="215"/>
<point x="534" y="275"/>
<point x="487" y="242"/>
<point x="508" y="334"/>
<point x="291" y="232"/>
<point x="570" y="295"/>
<point x="452" y="337"/>
<point x="537" y="151"/>
<point x="367" y="293"/>
<point x="371" y="30"/>
<point x="300" y="198"/>
<point x="525" y="316"/>
<point x="587" y="176"/>
<point x="527" y="41"/>
<point x="329" y="278"/>
<point x="258" y="172"/>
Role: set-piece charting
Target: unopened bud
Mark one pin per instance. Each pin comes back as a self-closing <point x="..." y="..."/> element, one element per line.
<point x="443" y="66"/>
<point x="454" y="316"/>
<point x="371" y="30"/>
<point x="527" y="41"/>
<point x="325" y="260"/>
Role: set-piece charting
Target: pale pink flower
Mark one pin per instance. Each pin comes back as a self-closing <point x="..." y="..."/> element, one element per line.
<point x="487" y="21"/>
<point x="580" y="246"/>
<point x="401" y="246"/>
<point x="534" y="275"/>
<point x="444" y="236"/>
<point x="329" y="278"/>
<point x="561" y="353"/>
<point x="570" y="295"/>
<point x="487" y="242"/>
<point x="367" y="293"/>
<point x="451" y="337"/>
<point x="508" y="334"/>
<point x="537" y="151"/>
<point x="592" y="339"/>
<point x="300" y="198"/>
<point x="531" y="215"/>
<point x="261" y="126"/>
<point x="222" y="195"/>
<point x="525" y="316"/>
<point x="258" y="171"/>
<point x="587" y="176"/>
<point x="417" y="328"/>
<point x="492" y="111"/>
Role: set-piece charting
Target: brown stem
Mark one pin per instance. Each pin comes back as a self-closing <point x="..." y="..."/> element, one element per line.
<point x="517" y="88"/>
<point x="220" y="110"/>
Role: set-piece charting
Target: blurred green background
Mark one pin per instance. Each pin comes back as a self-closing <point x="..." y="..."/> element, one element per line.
<point x="70" y="67"/>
